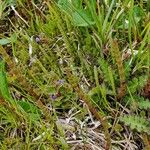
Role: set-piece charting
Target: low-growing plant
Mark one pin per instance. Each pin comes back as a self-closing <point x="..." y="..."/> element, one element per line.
<point x="59" y="54"/>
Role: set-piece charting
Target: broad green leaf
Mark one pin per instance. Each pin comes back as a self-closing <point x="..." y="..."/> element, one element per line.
<point x="65" y="5"/>
<point x="77" y="4"/>
<point x="4" y="41"/>
<point x="81" y="18"/>
<point x="69" y="6"/>
<point x="4" y="92"/>
<point x="28" y="107"/>
<point x="138" y="13"/>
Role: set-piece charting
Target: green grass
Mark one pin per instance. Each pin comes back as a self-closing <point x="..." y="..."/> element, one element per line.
<point x="73" y="74"/>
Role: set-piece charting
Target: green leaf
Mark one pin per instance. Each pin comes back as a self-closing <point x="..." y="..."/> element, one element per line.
<point x="69" y="6"/>
<point x="13" y="38"/>
<point x="82" y="18"/>
<point x="136" y="122"/>
<point x="65" y="5"/>
<point x="28" y="107"/>
<point x="11" y="2"/>
<point x="77" y="4"/>
<point x="4" y="92"/>
<point x="144" y="104"/>
<point x="94" y="90"/>
<point x="4" y="41"/>
<point x="138" y="13"/>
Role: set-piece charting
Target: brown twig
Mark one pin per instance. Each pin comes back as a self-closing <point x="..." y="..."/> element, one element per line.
<point x="117" y="56"/>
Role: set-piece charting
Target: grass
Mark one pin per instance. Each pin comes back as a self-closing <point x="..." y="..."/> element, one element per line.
<point x="74" y="75"/>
